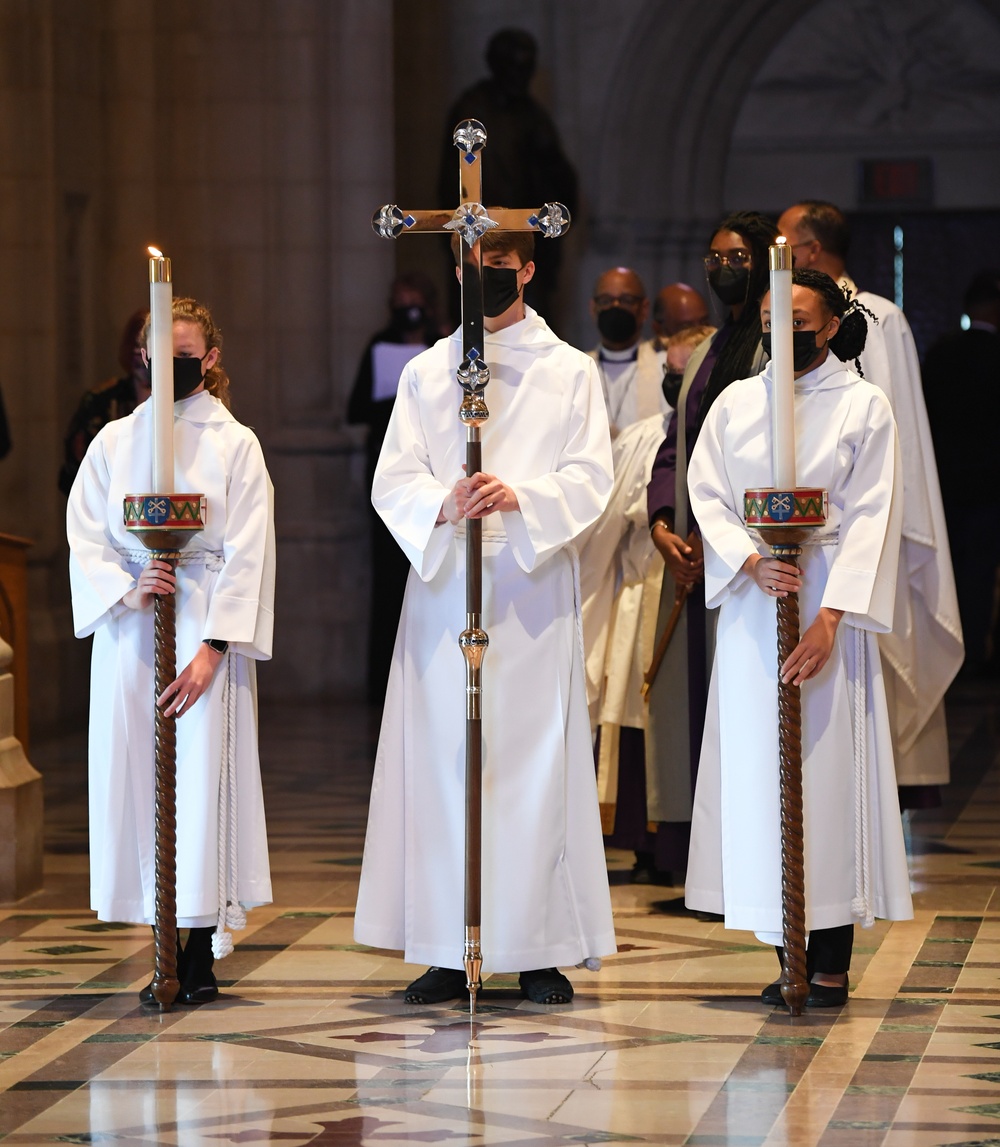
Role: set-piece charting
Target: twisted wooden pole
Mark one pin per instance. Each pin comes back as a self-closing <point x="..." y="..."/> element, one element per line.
<point x="794" y="983"/>
<point x="165" y="982"/>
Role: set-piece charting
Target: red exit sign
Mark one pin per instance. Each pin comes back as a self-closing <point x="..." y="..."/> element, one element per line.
<point x="896" y="182"/>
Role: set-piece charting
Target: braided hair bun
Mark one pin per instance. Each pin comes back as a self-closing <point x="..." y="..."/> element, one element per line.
<point x="850" y="339"/>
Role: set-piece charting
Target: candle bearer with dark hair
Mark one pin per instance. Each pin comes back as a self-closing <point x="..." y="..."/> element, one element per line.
<point x="855" y="863"/>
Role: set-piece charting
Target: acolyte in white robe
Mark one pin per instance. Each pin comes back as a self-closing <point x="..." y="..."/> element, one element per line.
<point x="225" y="590"/>
<point x="545" y="888"/>
<point x="925" y="649"/>
<point x="855" y="862"/>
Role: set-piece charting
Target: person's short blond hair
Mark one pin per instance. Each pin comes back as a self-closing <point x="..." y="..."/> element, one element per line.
<point x="691" y="336"/>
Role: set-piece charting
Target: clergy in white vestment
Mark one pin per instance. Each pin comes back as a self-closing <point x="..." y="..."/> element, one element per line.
<point x="225" y="589"/>
<point x="621" y="578"/>
<point x="630" y="369"/>
<point x="546" y="477"/>
<point x="924" y="651"/>
<point x="855" y="862"/>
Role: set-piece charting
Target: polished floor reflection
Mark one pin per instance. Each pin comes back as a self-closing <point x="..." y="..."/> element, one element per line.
<point x="311" y="1042"/>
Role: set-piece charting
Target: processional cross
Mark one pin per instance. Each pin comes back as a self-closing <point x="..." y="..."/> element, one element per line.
<point x="471" y="220"/>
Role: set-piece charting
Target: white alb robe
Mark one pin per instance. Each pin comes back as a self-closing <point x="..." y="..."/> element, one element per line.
<point x="925" y="649"/>
<point x="545" y="891"/>
<point x="855" y="862"/>
<point x="225" y="590"/>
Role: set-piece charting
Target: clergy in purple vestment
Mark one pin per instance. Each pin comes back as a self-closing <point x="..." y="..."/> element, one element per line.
<point x="736" y="264"/>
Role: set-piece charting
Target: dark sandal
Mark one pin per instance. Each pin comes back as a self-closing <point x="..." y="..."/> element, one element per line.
<point x="436" y="985"/>
<point x="546" y="986"/>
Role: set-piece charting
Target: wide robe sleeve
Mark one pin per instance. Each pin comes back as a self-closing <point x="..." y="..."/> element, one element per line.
<point x="405" y="492"/>
<point x="241" y="610"/>
<point x="716" y="506"/>
<point x="862" y="579"/>
<point x="556" y="507"/>
<point x="97" y="572"/>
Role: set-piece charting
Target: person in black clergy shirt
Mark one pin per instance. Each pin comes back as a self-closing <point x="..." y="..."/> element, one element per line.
<point x="107" y="401"/>
<point x="962" y="387"/>
<point x="413" y="326"/>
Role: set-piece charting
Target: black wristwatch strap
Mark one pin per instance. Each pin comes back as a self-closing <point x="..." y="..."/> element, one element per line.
<point x="217" y="645"/>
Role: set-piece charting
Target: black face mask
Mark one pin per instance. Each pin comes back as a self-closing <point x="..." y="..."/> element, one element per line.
<point x="672" y="380"/>
<point x="804" y="348"/>
<point x="730" y="284"/>
<point x="187" y="376"/>
<point x="500" y="290"/>
<point x="408" y="318"/>
<point x="617" y="325"/>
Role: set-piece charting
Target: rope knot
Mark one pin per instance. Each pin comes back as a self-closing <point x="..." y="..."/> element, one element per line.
<point x="222" y="944"/>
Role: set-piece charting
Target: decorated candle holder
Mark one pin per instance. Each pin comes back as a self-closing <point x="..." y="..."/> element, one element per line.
<point x="164" y="523"/>
<point x="784" y="519"/>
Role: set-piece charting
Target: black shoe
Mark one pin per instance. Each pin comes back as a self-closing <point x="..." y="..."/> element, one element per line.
<point x="546" y="986"/>
<point x="198" y="983"/>
<point x="771" y="995"/>
<point x="824" y="996"/>
<point x="146" y="997"/>
<point x="820" y="996"/>
<point x="437" y="985"/>
<point x="203" y="991"/>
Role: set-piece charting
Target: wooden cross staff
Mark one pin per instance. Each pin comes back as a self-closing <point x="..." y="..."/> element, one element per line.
<point x="471" y="220"/>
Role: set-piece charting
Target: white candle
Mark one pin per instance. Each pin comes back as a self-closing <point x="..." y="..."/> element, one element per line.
<point x="161" y="365"/>
<point x="782" y="367"/>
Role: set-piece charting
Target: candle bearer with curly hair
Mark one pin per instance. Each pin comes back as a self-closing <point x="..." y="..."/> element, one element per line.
<point x="224" y="582"/>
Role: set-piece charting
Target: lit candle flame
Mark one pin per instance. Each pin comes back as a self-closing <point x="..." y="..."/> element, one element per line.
<point x="780" y="239"/>
<point x="155" y="252"/>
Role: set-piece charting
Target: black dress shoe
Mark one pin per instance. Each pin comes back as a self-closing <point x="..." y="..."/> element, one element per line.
<point x="195" y="993"/>
<point x="437" y="985"/>
<point x="820" y="995"/>
<point x="824" y="996"/>
<point x="771" y="995"/>
<point x="546" y="986"/>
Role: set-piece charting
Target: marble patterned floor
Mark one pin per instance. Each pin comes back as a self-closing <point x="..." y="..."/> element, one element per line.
<point x="668" y="1043"/>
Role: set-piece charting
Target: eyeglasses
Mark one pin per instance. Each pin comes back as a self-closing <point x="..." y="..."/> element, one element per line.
<point x="734" y="259"/>
<point x="602" y="302"/>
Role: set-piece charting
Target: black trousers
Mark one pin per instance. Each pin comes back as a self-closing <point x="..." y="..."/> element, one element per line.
<point x="829" y="951"/>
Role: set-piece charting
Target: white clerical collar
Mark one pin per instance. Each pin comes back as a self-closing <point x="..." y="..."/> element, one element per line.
<point x="629" y="354"/>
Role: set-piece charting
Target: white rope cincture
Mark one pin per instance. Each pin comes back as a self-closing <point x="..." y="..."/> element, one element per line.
<point x="861" y="905"/>
<point x="213" y="560"/>
<point x="231" y="913"/>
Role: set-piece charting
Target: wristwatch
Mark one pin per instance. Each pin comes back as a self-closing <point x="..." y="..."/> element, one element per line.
<point x="216" y="644"/>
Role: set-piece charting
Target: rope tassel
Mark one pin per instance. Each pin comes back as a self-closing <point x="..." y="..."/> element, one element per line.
<point x="231" y="912"/>
<point x="861" y="905"/>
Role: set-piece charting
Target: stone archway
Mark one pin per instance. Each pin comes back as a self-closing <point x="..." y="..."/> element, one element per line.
<point x="676" y="93"/>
